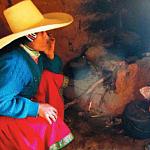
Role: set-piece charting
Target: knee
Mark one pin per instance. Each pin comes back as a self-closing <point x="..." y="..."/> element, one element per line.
<point x="57" y="65"/>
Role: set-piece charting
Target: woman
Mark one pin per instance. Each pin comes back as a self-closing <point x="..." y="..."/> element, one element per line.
<point x="31" y="107"/>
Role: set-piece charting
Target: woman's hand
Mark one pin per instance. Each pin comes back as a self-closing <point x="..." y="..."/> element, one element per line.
<point x="51" y="46"/>
<point x="145" y="91"/>
<point x="48" y="112"/>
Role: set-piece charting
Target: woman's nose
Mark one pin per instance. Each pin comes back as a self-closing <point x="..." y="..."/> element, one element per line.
<point x="45" y="35"/>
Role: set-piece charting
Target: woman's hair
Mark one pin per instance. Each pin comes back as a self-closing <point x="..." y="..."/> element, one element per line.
<point x="15" y="44"/>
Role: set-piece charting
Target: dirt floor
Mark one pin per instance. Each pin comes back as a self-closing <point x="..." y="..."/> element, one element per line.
<point x="99" y="134"/>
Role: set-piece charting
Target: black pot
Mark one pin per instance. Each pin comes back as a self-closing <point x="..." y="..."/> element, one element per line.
<point x="136" y="119"/>
<point x="78" y="68"/>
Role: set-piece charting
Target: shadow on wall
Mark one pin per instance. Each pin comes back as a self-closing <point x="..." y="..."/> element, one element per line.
<point x="120" y="23"/>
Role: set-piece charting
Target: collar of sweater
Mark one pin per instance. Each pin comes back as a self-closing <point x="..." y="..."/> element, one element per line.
<point x="34" y="54"/>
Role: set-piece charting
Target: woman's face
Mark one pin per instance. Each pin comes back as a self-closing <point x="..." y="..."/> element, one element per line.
<point x="42" y="42"/>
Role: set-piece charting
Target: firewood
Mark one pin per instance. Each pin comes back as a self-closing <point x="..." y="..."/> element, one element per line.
<point x="75" y="101"/>
<point x="94" y="86"/>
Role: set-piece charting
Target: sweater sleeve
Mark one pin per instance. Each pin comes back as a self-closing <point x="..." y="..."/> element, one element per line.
<point x="14" y="76"/>
<point x="54" y="65"/>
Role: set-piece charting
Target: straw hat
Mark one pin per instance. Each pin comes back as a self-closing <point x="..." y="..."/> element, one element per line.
<point x="24" y="18"/>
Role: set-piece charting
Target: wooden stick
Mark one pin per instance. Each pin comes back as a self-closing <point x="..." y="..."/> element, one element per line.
<point x="89" y="90"/>
<point x="94" y="86"/>
<point x="75" y="101"/>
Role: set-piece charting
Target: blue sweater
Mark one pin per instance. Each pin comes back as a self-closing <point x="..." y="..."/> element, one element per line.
<point x="19" y="81"/>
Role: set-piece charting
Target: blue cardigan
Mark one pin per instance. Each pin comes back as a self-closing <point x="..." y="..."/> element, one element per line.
<point x="19" y="80"/>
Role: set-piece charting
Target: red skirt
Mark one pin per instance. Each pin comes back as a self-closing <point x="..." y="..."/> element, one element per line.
<point x="35" y="133"/>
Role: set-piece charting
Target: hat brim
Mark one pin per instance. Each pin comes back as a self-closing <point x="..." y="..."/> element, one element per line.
<point x="50" y="21"/>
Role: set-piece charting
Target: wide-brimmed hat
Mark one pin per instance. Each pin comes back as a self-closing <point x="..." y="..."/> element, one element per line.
<point x="24" y="18"/>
